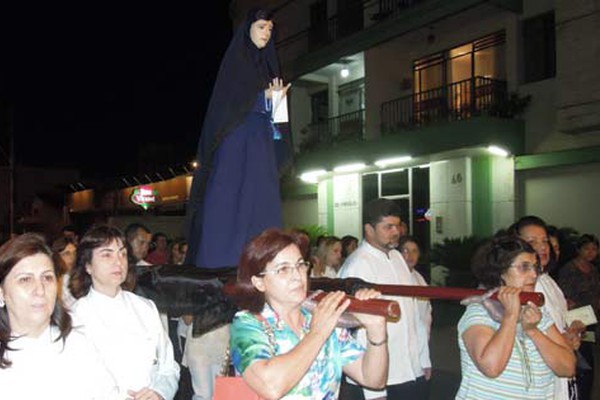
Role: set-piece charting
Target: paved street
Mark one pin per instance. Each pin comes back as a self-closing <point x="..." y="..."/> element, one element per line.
<point x="445" y="355"/>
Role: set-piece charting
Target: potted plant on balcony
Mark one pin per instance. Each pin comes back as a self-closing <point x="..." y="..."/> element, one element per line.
<point x="512" y="106"/>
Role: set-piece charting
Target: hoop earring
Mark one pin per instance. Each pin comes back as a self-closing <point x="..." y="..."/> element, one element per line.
<point x="2" y="303"/>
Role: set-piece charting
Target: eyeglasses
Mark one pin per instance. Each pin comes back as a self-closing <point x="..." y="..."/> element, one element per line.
<point x="526" y="267"/>
<point x="286" y="269"/>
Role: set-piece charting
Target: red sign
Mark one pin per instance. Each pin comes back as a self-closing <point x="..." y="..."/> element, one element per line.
<point x="144" y="196"/>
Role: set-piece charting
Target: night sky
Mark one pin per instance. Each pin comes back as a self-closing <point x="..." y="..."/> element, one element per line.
<point x="111" y="90"/>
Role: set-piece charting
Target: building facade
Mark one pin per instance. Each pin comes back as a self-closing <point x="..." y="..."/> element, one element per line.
<point x="468" y="113"/>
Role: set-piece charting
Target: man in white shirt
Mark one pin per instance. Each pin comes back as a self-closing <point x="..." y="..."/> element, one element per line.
<point x="376" y="260"/>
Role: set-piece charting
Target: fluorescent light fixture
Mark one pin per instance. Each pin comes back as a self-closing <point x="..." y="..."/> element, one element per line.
<point x="499" y="151"/>
<point x="312" y="176"/>
<point x="344" y="72"/>
<point x="350" y="167"/>
<point x="386" y="162"/>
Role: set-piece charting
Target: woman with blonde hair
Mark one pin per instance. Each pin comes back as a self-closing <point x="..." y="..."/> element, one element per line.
<point x="328" y="258"/>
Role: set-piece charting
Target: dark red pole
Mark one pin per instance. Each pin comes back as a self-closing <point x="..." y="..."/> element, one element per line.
<point x="386" y="308"/>
<point x="349" y="285"/>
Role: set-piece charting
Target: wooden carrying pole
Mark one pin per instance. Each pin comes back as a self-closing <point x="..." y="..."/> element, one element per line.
<point x="389" y="309"/>
<point x="350" y="285"/>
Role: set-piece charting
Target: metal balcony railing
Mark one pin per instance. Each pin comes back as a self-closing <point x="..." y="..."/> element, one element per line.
<point x="457" y="101"/>
<point x="349" y="126"/>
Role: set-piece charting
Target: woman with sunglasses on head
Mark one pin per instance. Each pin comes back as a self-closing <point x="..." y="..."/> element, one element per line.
<point x="278" y="346"/>
<point x="516" y="352"/>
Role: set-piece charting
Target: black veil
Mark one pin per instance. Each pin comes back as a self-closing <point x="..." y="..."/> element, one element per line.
<point x="245" y="70"/>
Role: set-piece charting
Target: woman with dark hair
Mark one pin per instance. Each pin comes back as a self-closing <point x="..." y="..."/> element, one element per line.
<point x="411" y="252"/>
<point x="281" y="349"/>
<point x="517" y="354"/>
<point x="349" y="244"/>
<point x="125" y="328"/>
<point x="235" y="191"/>
<point x="534" y="231"/>
<point x="409" y="248"/>
<point x="64" y="253"/>
<point x="580" y="281"/>
<point x="39" y="349"/>
<point x="554" y="241"/>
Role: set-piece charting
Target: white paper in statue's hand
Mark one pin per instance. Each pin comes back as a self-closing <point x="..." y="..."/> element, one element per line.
<point x="280" y="109"/>
<point x="585" y="314"/>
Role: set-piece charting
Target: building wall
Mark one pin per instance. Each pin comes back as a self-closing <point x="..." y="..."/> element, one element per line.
<point x="389" y="66"/>
<point x="347" y="205"/>
<point x="340" y="204"/>
<point x="578" y="58"/>
<point x="300" y="212"/>
<point x="450" y="198"/>
<point x="503" y="193"/>
<point x="562" y="114"/>
<point x="570" y="100"/>
<point x="493" y="194"/>
<point x="324" y="193"/>
<point x="563" y="196"/>
<point x="300" y="118"/>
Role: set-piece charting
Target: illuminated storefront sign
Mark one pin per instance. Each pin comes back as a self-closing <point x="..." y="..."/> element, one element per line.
<point x="144" y="196"/>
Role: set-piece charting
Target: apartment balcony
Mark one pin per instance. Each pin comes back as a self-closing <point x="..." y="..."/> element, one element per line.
<point x="458" y="101"/>
<point x="325" y="37"/>
<point x="342" y="128"/>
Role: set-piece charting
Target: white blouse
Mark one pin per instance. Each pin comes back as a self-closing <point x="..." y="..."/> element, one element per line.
<point x="66" y="296"/>
<point x="556" y="306"/>
<point x="130" y="338"/>
<point x="43" y="368"/>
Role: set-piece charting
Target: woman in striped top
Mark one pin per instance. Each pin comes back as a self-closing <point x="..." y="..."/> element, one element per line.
<point x="509" y="351"/>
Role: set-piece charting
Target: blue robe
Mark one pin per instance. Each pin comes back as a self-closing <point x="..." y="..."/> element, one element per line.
<point x="242" y="195"/>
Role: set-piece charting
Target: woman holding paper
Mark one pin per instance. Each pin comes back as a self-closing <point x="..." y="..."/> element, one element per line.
<point x="580" y="281"/>
<point x="235" y="191"/>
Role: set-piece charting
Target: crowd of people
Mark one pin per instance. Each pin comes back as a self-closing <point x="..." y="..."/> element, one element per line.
<point x="71" y="302"/>
<point x="72" y="326"/>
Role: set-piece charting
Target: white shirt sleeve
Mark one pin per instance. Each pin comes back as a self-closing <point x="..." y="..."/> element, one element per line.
<point x="424" y="321"/>
<point x="165" y="380"/>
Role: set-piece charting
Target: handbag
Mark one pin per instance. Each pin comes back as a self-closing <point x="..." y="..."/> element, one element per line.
<point x="230" y="387"/>
<point x="233" y="387"/>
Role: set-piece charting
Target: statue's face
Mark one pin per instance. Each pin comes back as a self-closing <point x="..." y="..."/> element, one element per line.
<point x="260" y="32"/>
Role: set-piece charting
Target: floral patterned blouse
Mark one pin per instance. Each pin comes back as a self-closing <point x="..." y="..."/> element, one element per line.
<point x="251" y="341"/>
